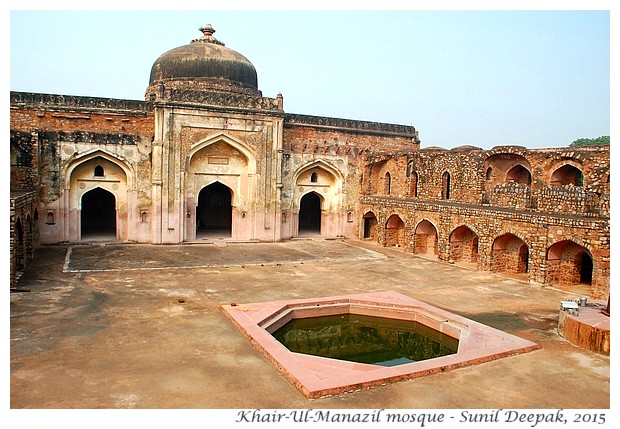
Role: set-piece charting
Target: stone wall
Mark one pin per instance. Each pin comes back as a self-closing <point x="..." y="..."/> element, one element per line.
<point x="337" y="147"/>
<point x="541" y="196"/>
<point x="539" y="231"/>
<point x="24" y="231"/>
<point x="482" y="177"/>
<point x="64" y="131"/>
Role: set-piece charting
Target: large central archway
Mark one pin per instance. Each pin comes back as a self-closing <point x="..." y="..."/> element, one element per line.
<point x="220" y="191"/>
<point x="214" y="211"/>
<point x="310" y="214"/>
<point x="98" y="215"/>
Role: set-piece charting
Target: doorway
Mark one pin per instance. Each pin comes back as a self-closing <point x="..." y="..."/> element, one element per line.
<point x="214" y="211"/>
<point x="310" y="214"/>
<point x="98" y="215"/>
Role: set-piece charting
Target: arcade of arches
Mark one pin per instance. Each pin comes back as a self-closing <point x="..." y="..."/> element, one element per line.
<point x="566" y="262"/>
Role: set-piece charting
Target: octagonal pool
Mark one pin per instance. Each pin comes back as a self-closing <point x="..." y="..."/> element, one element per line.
<point x="318" y="376"/>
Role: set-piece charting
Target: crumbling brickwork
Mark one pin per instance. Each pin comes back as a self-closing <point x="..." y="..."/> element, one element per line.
<point x="24" y="231"/>
<point x="539" y="197"/>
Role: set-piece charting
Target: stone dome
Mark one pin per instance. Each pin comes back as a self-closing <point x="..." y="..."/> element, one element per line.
<point x="205" y="58"/>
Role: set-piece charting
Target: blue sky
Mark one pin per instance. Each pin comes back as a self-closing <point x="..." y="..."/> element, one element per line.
<point x="470" y="77"/>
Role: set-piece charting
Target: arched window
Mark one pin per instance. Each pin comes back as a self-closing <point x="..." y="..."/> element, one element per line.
<point x="98" y="171"/>
<point x="519" y="174"/>
<point x="414" y="184"/>
<point x="489" y="173"/>
<point x="445" y="186"/>
<point x="567" y="175"/>
<point x="388" y="183"/>
<point x="409" y="168"/>
<point x="314" y="177"/>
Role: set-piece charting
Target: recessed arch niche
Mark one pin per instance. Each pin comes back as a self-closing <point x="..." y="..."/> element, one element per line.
<point x="98" y="205"/>
<point x="463" y="245"/>
<point x="314" y="183"/>
<point x="509" y="254"/>
<point x="394" y="231"/>
<point x="426" y="238"/>
<point x="569" y="263"/>
<point x="219" y="168"/>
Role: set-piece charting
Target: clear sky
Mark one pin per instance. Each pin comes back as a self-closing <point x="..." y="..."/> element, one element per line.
<point x="538" y="78"/>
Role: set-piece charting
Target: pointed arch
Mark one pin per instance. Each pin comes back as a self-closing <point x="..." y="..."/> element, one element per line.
<point x="394" y="231"/>
<point x="410" y="169"/>
<point x="102" y="153"/>
<point x="370" y="226"/>
<point x="319" y="163"/>
<point x="519" y="174"/>
<point x="566" y="174"/>
<point x="119" y="182"/>
<point x="310" y="216"/>
<point x="489" y="173"/>
<point x="569" y="263"/>
<point x="424" y="220"/>
<point x="413" y="184"/>
<point x="463" y="244"/>
<point x="98" y="215"/>
<point x="426" y="238"/>
<point x="376" y="176"/>
<point x="214" y="209"/>
<point x="445" y="185"/>
<point x="388" y="183"/>
<point x="234" y="196"/>
<point x="325" y="206"/>
<point x="231" y="141"/>
<point x="509" y="253"/>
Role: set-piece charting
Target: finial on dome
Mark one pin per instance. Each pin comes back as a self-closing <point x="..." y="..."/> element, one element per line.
<point x="207" y="35"/>
<point x="207" y="30"/>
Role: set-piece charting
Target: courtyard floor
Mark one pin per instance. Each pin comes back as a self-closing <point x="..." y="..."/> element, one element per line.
<point x="139" y="326"/>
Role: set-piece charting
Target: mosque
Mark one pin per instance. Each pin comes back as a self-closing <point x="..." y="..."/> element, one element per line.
<point x="207" y="157"/>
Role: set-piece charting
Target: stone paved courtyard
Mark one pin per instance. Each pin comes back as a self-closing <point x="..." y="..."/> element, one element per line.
<point x="139" y="326"/>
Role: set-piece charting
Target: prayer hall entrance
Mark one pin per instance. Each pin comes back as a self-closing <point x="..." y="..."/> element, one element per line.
<point x="98" y="215"/>
<point x="214" y="212"/>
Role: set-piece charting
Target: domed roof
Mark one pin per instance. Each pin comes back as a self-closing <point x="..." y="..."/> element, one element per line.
<point x="205" y="58"/>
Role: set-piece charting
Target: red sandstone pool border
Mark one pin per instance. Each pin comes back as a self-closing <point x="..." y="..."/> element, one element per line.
<point x="590" y="329"/>
<point x="317" y="376"/>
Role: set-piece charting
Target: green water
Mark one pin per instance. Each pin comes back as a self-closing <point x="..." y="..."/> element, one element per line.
<point x="365" y="339"/>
